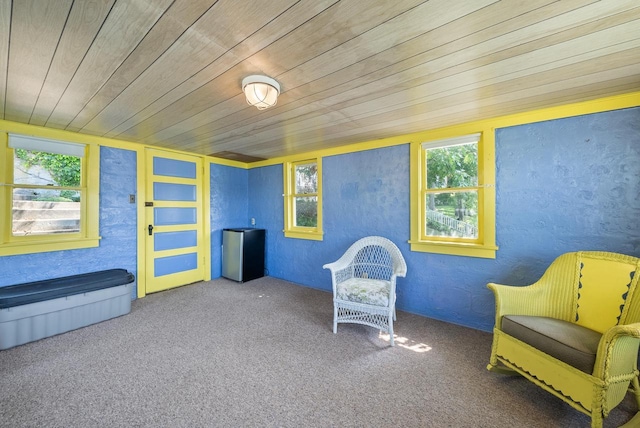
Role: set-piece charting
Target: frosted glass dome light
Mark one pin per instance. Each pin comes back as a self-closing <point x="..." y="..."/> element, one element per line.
<point x="261" y="91"/>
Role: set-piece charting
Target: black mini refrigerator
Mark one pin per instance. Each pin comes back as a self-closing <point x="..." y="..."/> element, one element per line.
<point x="243" y="254"/>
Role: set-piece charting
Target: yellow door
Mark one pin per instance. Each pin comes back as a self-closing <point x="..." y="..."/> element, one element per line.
<point x="174" y="220"/>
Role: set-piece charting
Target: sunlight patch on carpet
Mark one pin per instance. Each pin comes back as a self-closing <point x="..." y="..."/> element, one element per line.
<point x="404" y="342"/>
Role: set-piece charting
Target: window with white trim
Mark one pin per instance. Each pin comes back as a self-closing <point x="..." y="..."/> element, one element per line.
<point x="454" y="208"/>
<point x="303" y="199"/>
<point x="49" y="197"/>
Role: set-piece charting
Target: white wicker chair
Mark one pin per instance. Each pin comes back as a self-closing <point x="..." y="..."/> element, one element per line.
<point x="364" y="284"/>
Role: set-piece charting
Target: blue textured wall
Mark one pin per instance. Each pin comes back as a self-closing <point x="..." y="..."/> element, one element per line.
<point x="266" y="206"/>
<point x="117" y="227"/>
<point x="567" y="185"/>
<point x="564" y="185"/>
<point x="229" y="204"/>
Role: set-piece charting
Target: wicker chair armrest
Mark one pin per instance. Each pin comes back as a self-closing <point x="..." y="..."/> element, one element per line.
<point x="512" y="299"/>
<point x="342" y="263"/>
<point x="617" y="351"/>
<point x="614" y="332"/>
<point x="400" y="270"/>
<point x="519" y="300"/>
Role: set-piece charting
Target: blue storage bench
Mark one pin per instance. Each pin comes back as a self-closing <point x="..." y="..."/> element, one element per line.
<point x="35" y="310"/>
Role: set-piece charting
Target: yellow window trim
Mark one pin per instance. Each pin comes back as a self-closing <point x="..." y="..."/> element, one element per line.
<point x="16" y="248"/>
<point x="485" y="245"/>
<point x="290" y="230"/>
<point x="90" y="216"/>
<point x="314" y="236"/>
<point x="455" y="249"/>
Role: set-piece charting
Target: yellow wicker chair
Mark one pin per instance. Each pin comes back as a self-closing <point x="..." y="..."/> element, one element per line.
<point x="575" y="332"/>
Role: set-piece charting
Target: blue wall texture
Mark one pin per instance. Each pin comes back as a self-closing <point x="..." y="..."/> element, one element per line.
<point x="229" y="205"/>
<point x="117" y="227"/>
<point x="563" y="185"/>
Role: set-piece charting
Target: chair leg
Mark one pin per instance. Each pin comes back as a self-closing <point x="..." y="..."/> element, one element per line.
<point x="391" y="329"/>
<point x="335" y="319"/>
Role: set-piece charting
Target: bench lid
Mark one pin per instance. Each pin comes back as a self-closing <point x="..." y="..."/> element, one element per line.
<point x="38" y="291"/>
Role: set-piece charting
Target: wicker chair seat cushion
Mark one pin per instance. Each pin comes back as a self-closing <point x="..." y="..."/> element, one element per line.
<point x="364" y="290"/>
<point x="566" y="341"/>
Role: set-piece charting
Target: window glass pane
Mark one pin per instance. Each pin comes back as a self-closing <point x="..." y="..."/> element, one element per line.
<point x="42" y="168"/>
<point x="453" y="166"/>
<point x="452" y="214"/>
<point x="306" y="211"/>
<point x="306" y="178"/>
<point x="43" y="211"/>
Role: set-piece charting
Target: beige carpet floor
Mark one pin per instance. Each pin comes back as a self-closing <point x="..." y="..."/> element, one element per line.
<point x="262" y="354"/>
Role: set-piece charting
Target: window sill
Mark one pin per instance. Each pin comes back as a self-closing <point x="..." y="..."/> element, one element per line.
<point x="31" y="247"/>
<point x="455" y="249"/>
<point x="312" y="235"/>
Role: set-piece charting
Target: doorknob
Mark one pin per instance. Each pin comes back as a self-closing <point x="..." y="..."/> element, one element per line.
<point x="150" y="229"/>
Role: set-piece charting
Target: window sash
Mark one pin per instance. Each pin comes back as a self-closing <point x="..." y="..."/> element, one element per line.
<point x="480" y="216"/>
<point x="426" y="190"/>
<point x="484" y="246"/>
<point x="89" y="188"/>
<point x="293" y="193"/>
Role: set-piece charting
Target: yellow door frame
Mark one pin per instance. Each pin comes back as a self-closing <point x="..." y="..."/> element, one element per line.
<point x="141" y="172"/>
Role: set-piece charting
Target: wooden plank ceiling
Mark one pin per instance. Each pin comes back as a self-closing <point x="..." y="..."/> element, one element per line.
<point x="168" y="72"/>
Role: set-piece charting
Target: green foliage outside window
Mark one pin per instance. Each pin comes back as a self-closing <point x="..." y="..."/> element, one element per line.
<point x="306" y="207"/>
<point x="456" y="168"/>
<point x="306" y="212"/>
<point x="64" y="169"/>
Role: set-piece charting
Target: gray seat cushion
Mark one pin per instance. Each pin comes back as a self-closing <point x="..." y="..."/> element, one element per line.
<point x="563" y="340"/>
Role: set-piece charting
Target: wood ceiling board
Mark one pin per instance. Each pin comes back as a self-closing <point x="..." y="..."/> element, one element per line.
<point x="191" y="133"/>
<point x="225" y="25"/>
<point x="177" y="19"/>
<point x="609" y="65"/>
<point x="475" y="108"/>
<point x="82" y="26"/>
<point x="125" y="26"/>
<point x="203" y="82"/>
<point x="422" y="19"/>
<point x="332" y="27"/>
<point x="5" y="26"/>
<point x="480" y="78"/>
<point x="208" y="116"/>
<point x="450" y="103"/>
<point x="486" y="110"/>
<point x="236" y="156"/>
<point x="426" y="64"/>
<point x="544" y="58"/>
<point x="292" y="49"/>
<point x="35" y="31"/>
<point x="472" y="113"/>
<point x="395" y="101"/>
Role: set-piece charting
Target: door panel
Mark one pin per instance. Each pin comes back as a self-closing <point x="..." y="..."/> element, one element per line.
<point x="174" y="216"/>
<point x="174" y="192"/>
<point x="175" y="240"/>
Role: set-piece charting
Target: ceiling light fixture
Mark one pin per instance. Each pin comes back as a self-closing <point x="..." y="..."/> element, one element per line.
<point x="261" y="91"/>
